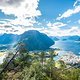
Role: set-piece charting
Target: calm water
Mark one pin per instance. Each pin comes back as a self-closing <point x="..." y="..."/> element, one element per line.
<point x="73" y="46"/>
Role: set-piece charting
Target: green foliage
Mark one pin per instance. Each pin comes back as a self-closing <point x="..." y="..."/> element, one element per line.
<point x="71" y="74"/>
<point x="28" y="66"/>
<point x="35" y="72"/>
<point x="6" y="60"/>
<point x="42" y="58"/>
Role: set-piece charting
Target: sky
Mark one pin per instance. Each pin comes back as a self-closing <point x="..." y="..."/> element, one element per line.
<point x="52" y="17"/>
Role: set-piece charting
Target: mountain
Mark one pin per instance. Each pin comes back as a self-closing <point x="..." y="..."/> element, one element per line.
<point x="73" y="38"/>
<point x="8" y="38"/>
<point x="54" y="38"/>
<point x="76" y="38"/>
<point x="35" y="40"/>
<point x="65" y="38"/>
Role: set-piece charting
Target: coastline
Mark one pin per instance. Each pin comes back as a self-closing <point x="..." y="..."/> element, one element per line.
<point x="68" y="57"/>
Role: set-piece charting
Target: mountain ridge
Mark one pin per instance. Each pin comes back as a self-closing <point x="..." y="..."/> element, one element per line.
<point x="33" y="39"/>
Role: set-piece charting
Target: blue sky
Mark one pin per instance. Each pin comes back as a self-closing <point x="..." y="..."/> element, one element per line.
<point x="50" y="9"/>
<point x="52" y="17"/>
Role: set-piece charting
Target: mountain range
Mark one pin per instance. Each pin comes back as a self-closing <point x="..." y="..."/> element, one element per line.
<point x="33" y="39"/>
<point x="64" y="38"/>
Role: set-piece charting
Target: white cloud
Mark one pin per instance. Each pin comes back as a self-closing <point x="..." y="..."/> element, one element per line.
<point x="70" y="12"/>
<point x="50" y="31"/>
<point x="56" y="24"/>
<point x="77" y="2"/>
<point x="24" y="10"/>
<point x="49" y="24"/>
<point x="7" y="28"/>
<point x="27" y="8"/>
<point x="11" y="29"/>
<point x="10" y="2"/>
<point x="23" y="22"/>
<point x="57" y="31"/>
<point x="74" y="31"/>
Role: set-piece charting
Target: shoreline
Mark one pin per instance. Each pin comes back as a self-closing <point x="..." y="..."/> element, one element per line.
<point x="68" y="57"/>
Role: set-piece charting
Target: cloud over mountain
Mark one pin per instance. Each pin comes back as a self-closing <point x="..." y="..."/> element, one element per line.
<point x="50" y="17"/>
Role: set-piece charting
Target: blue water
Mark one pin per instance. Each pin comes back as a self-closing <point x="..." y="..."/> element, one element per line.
<point x="73" y="46"/>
